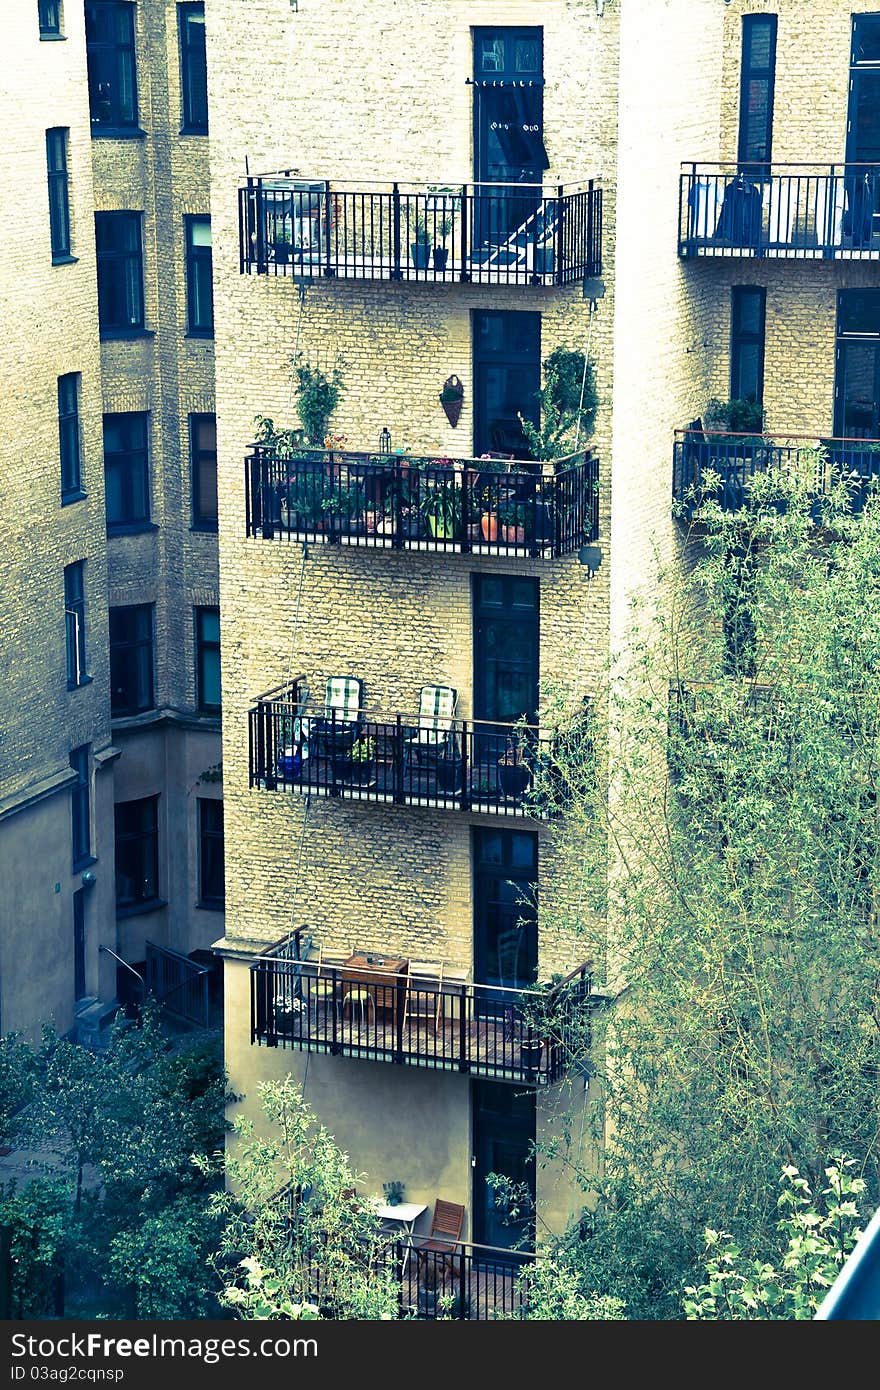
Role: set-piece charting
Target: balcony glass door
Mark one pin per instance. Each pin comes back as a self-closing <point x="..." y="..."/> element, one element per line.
<point x="505" y="920"/>
<point x="503" y="1136"/>
<point x="508" y="135"/>
<point x="857" y="379"/>
<point x="507" y="377"/>
<point x="506" y="648"/>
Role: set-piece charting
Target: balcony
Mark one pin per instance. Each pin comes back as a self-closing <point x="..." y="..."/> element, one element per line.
<point x="734" y="460"/>
<point x="526" y="1037"/>
<point x="792" y="212"/>
<point x="463" y="507"/>
<point x="487" y="769"/>
<point x="485" y="233"/>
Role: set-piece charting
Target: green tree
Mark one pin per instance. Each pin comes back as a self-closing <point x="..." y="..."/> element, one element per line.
<point x="294" y="1228"/>
<point x="721" y="832"/>
<point x="568" y="403"/>
<point x="17" y="1075"/>
<point x="816" y="1234"/>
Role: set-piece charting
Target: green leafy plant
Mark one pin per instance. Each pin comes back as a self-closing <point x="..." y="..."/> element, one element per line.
<point x="561" y="406"/>
<point x="317" y="394"/>
<point x="738" y="417"/>
<point x="393" y="1193"/>
<point x="421" y="234"/>
<point x="363" y="750"/>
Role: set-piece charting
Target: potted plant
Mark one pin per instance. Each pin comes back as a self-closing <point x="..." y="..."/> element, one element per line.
<point x="449" y="768"/>
<point x="441" y="508"/>
<point x="440" y="254"/>
<point x="393" y="1193"/>
<point x="420" y="248"/>
<point x="512" y="516"/>
<point x="355" y="764"/>
<point x="282" y="247"/>
<point x="514" y="773"/>
<point x="317" y="396"/>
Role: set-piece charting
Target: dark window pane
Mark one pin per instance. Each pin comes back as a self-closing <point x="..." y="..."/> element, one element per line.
<point x="120" y="271"/>
<point x="75" y="622"/>
<point x="859" y="311"/>
<point x="68" y="434"/>
<point x="203" y="452"/>
<point x="756" y="89"/>
<point x="747" y="343"/>
<point x="208" y="659"/>
<point x="200" y="302"/>
<point x="79" y="806"/>
<point x="491" y="54"/>
<point x="50" y="16"/>
<point x="194" y="74"/>
<point x="59" y="206"/>
<point x="126" y="469"/>
<point x="866" y="39"/>
<point x="131" y="659"/>
<point x="110" y="52"/>
<point x="137" y="851"/>
<point x="211" y="873"/>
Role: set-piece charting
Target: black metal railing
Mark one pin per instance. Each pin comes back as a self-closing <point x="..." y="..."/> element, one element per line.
<point x="467" y="765"/>
<point x="476" y="1283"/>
<point x="178" y="983"/>
<point x="720" y="466"/>
<point x="462" y="506"/>
<point x="523" y="1036"/>
<point x="484" y="233"/>
<point x="804" y="211"/>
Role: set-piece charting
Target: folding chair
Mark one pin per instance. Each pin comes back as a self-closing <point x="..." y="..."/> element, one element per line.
<point x="435" y="726"/>
<point x="340" y="724"/>
<point x="444" y="1238"/>
<point x="422" y="1004"/>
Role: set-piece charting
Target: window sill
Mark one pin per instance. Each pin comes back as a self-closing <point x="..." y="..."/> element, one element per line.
<point x="118" y="716"/>
<point x="75" y="495"/>
<point x="205" y="528"/>
<point x="111" y="334"/>
<point x="131" y="528"/>
<point x="209" y="711"/>
<point x="53" y="38"/>
<point x="118" y="133"/>
<point x="65" y="260"/>
<point x="140" y="909"/>
<point x="203" y="333"/>
<point x="195" y="130"/>
<point x="211" y="906"/>
<point x="77" y="685"/>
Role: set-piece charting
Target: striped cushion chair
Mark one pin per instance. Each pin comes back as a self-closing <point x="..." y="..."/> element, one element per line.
<point x="436" y="722"/>
<point x="342" y="718"/>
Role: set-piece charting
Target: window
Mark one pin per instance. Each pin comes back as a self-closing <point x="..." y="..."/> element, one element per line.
<point x="137" y="852"/>
<point x="756" y="92"/>
<point x="203" y="459"/>
<point x="857" y="372"/>
<point x="120" y="272"/>
<point x="59" y="201"/>
<point x="199" y="290"/>
<point x="80" y="817"/>
<point x="193" y="70"/>
<point x="131" y="659"/>
<point x="747" y="312"/>
<point x="110" y="55"/>
<point x="208" y="660"/>
<point x="49" y="12"/>
<point x="212" y="888"/>
<point x="126" y="470"/>
<point x="863" y="115"/>
<point x="68" y="437"/>
<point x="75" y="623"/>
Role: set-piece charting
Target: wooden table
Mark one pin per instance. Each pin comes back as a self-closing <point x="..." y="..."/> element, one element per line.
<point x="385" y="981"/>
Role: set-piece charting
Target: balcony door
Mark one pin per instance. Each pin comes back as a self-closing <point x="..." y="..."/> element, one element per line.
<point x="508" y="131"/>
<point x="857" y="373"/>
<point x="503" y="1139"/>
<point x="863" y="116"/>
<point x="506" y="648"/>
<point x="507" y="378"/>
<point x="505" y="869"/>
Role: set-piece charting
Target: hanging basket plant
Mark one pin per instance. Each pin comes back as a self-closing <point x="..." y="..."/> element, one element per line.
<point x="451" y="398"/>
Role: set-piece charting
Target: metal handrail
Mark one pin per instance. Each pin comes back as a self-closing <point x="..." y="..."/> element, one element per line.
<point x="128" y="967"/>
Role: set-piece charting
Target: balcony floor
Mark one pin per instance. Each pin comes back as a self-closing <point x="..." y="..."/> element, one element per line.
<point x="373" y="1038"/>
<point x="363" y="541"/>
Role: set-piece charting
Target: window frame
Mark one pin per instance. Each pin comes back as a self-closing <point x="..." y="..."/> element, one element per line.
<point x="740" y="338"/>
<point x="48" y="28"/>
<point x="197" y="258"/>
<point x="75" y="623"/>
<point x="70" y="439"/>
<point x="108" y="259"/>
<point x="58" y="181"/>
<point x="204" y="647"/>
<point x="144" y="835"/>
<point x="81" y="808"/>
<point x="96" y="51"/>
<point x="126" y="652"/>
<point x="199" y="457"/>
<point x="135" y="459"/>
<point x="756" y="168"/>
<point x="191" y="55"/>
<point x="210" y="834"/>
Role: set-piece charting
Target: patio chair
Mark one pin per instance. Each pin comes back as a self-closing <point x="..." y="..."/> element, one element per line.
<point x="419" y="1002"/>
<point x="444" y="1238"/>
<point x="433" y="736"/>
<point x="322" y="987"/>
<point x="339" y="726"/>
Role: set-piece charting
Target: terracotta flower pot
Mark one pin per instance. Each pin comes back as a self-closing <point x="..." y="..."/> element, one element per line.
<point x="514" y="535"/>
<point x="489" y="526"/>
